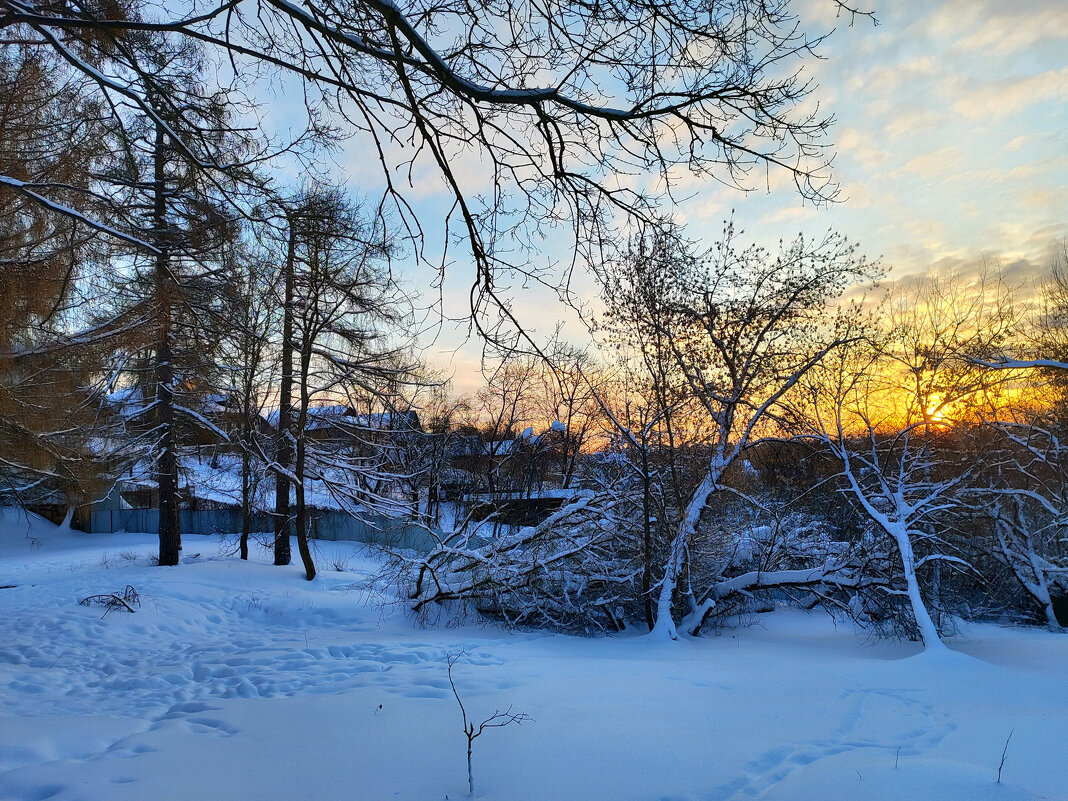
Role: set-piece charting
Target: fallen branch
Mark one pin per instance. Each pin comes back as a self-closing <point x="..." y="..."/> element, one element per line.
<point x="127" y="600"/>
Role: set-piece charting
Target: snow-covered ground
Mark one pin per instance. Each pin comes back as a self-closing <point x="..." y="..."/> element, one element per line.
<point x="242" y="681"/>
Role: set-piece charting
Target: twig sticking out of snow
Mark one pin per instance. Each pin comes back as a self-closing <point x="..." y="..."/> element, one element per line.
<point x="1004" y="751"/>
<point x="497" y="720"/>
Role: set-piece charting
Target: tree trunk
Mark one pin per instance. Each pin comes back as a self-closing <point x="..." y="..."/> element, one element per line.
<point x="647" y="538"/>
<point x="926" y="625"/>
<point x="246" y="499"/>
<point x="302" y="447"/>
<point x="470" y="775"/>
<point x="665" y="623"/>
<point x="301" y="513"/>
<point x="167" y="462"/>
<point x="284" y="447"/>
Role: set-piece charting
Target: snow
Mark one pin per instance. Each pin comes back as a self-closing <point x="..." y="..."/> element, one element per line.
<point x="239" y="680"/>
<point x="217" y="479"/>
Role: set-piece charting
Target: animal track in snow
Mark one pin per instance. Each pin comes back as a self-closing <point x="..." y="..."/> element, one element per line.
<point x="864" y="726"/>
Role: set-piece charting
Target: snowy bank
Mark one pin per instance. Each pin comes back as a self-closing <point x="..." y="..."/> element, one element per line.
<point x="238" y="680"/>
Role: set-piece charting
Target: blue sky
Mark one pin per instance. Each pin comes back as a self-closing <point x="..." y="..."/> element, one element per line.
<point x="952" y="140"/>
<point x="952" y="137"/>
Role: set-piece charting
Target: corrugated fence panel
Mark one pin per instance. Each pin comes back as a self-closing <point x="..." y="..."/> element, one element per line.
<point x="323" y="525"/>
<point x="112" y="520"/>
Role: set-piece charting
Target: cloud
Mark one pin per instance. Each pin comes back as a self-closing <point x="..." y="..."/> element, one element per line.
<point x="1020" y="273"/>
<point x="858" y="145"/>
<point x="892" y="76"/>
<point x="1040" y="141"/>
<point x="861" y="195"/>
<point x="946" y="20"/>
<point x="1018" y="29"/>
<point x="790" y="214"/>
<point x="710" y="209"/>
<point x="911" y="123"/>
<point x="993" y="27"/>
<point x="1005" y="98"/>
<point x="823" y="15"/>
<point x="935" y="164"/>
<point x="1045" y="198"/>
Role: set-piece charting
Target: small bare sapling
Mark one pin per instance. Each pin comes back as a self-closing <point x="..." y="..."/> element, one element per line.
<point x="472" y="730"/>
<point x="1004" y="752"/>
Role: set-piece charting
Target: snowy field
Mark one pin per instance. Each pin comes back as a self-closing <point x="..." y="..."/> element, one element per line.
<point x="242" y="681"/>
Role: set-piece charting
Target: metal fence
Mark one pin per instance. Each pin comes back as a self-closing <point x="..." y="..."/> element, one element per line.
<point x="323" y="524"/>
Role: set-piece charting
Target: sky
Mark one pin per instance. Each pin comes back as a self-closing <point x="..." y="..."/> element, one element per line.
<point x="952" y="153"/>
<point x="952" y="136"/>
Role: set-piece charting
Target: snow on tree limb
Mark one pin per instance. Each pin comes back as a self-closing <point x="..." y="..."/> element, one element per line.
<point x="28" y="190"/>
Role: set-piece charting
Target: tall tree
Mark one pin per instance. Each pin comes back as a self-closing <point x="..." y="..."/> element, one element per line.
<point x="283" y="449"/>
<point x="890" y="468"/>
<point x="567" y="402"/>
<point x="250" y="315"/>
<point x="742" y="326"/>
<point x="1021" y="486"/>
<point x="342" y="304"/>
<point x="893" y="412"/>
<point x="179" y="285"/>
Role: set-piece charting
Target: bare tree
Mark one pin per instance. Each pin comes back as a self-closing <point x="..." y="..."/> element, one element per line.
<point x="506" y="415"/>
<point x="1042" y="340"/>
<point x="473" y="731"/>
<point x="425" y="444"/>
<point x="567" y="105"/>
<point x="244" y="359"/>
<point x="742" y="327"/>
<point x="1025" y="495"/>
<point x="1020" y="488"/>
<point x="653" y="433"/>
<point x="567" y="400"/>
<point x="894" y="413"/>
<point x="1029" y="496"/>
<point x="570" y="572"/>
<point x="341" y="302"/>
<point x="890" y="468"/>
<point x="282" y="455"/>
<point x="941" y="331"/>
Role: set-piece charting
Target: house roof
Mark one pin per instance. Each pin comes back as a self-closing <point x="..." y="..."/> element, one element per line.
<point x="345" y="417"/>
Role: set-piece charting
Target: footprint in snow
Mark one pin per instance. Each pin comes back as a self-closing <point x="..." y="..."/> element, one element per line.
<point x="202" y="725"/>
<point x="887" y="720"/>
